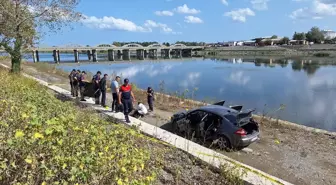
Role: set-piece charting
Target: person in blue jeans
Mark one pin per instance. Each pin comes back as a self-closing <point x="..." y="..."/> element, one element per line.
<point x="115" y="93"/>
<point x="126" y="97"/>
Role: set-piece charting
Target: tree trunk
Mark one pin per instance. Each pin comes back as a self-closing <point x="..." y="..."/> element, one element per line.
<point x="16" y="64"/>
<point x="16" y="55"/>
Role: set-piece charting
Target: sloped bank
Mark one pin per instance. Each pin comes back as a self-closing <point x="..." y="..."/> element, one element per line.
<point x="248" y="174"/>
<point x="47" y="141"/>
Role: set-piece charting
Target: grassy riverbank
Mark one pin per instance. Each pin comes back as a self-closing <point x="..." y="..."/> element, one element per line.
<point x="47" y="141"/>
<point x="283" y="150"/>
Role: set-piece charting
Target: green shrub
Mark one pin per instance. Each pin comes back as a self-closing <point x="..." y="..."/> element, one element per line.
<point x="46" y="141"/>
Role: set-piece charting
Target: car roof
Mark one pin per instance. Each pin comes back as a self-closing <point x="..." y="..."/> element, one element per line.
<point x="218" y="110"/>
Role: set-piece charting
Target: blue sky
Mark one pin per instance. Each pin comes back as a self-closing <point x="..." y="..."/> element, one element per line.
<point x="192" y="20"/>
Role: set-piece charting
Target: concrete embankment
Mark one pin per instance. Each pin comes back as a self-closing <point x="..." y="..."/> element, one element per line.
<point x="304" y="50"/>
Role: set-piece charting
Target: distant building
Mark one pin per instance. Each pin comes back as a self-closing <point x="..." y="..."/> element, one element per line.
<point x="229" y="43"/>
<point x="249" y="43"/>
<point x="298" y="42"/>
<point x="329" y="34"/>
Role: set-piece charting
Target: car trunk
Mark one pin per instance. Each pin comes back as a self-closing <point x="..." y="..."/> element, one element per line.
<point x="246" y="122"/>
<point x="250" y="127"/>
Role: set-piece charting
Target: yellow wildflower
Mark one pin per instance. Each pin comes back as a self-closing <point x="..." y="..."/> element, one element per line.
<point x="29" y="160"/>
<point x="19" y="134"/>
<point x="38" y="136"/>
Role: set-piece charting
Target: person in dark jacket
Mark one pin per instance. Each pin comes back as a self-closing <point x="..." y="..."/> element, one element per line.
<point x="125" y="97"/>
<point x="150" y="98"/>
<point x="71" y="75"/>
<point x="103" y="88"/>
<point x="75" y="83"/>
<point x="82" y="81"/>
<point x="96" y="88"/>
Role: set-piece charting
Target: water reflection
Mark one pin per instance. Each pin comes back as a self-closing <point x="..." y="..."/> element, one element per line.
<point x="305" y="88"/>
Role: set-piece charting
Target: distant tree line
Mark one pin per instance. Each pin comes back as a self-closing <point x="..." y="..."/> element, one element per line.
<point x="313" y="35"/>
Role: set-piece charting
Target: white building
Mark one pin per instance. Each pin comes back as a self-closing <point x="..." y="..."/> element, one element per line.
<point x="329" y="34"/>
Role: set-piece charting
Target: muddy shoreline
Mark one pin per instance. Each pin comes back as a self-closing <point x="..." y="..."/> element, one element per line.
<point x="298" y="155"/>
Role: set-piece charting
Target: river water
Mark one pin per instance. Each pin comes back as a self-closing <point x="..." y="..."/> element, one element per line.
<point x="284" y="89"/>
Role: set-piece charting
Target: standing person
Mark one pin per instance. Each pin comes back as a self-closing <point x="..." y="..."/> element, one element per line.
<point x="96" y="82"/>
<point x="75" y="83"/>
<point x="125" y="97"/>
<point x="82" y="81"/>
<point x="115" y="92"/>
<point x="150" y="98"/>
<point x="103" y="88"/>
<point x="71" y="81"/>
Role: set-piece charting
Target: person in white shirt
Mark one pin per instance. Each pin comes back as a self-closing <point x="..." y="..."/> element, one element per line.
<point x="141" y="111"/>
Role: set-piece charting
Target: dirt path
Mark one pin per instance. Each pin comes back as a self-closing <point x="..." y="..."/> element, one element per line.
<point x="295" y="155"/>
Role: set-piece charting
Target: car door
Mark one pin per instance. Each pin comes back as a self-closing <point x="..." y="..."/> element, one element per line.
<point x="195" y="120"/>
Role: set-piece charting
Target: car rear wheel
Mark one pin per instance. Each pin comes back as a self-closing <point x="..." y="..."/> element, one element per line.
<point x="224" y="143"/>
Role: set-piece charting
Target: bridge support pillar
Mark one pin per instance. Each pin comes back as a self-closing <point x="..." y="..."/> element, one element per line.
<point x="110" y="54"/>
<point x="165" y="53"/>
<point x="76" y="55"/>
<point x="187" y="52"/>
<point x="140" y="54"/>
<point x="126" y="54"/>
<point x="153" y="53"/>
<point x="56" y="55"/>
<point x="119" y="55"/>
<point x="180" y="53"/>
<point x="145" y="53"/>
<point x="94" y="55"/>
<point x="89" y="54"/>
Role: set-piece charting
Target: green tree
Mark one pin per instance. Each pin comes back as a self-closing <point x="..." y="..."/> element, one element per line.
<point x="285" y="40"/>
<point x="315" y="35"/>
<point x="274" y="37"/>
<point x="299" y="36"/>
<point x="22" y="22"/>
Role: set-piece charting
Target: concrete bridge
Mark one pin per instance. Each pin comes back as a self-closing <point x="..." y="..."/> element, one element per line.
<point x="125" y="52"/>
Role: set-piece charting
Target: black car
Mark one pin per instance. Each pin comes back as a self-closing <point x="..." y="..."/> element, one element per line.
<point x="227" y="127"/>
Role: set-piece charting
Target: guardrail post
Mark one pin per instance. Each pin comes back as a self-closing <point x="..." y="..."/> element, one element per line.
<point x="34" y="56"/>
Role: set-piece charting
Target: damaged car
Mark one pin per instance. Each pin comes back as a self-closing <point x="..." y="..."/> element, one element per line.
<point x="227" y="127"/>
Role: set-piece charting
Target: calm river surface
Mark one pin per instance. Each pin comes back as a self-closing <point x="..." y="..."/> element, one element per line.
<point x="308" y="92"/>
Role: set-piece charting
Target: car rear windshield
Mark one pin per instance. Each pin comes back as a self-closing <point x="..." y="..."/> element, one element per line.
<point x="231" y="118"/>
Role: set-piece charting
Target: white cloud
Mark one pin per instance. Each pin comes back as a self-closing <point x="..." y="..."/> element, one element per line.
<point x="186" y="10"/>
<point x="113" y="24"/>
<point x="164" y="13"/>
<point x="149" y="24"/>
<point x="240" y="14"/>
<point x="192" y="19"/>
<point x="191" y="80"/>
<point x="259" y="4"/>
<point x="318" y="10"/>
<point x="225" y="2"/>
<point x="239" y="78"/>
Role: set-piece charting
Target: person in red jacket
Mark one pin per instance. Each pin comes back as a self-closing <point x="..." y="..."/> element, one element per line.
<point x="126" y="97"/>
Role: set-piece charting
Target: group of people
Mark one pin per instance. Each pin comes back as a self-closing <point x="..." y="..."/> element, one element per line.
<point x="123" y="96"/>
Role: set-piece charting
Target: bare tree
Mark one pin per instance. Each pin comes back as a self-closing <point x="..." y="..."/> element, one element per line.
<point x="23" y="22"/>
